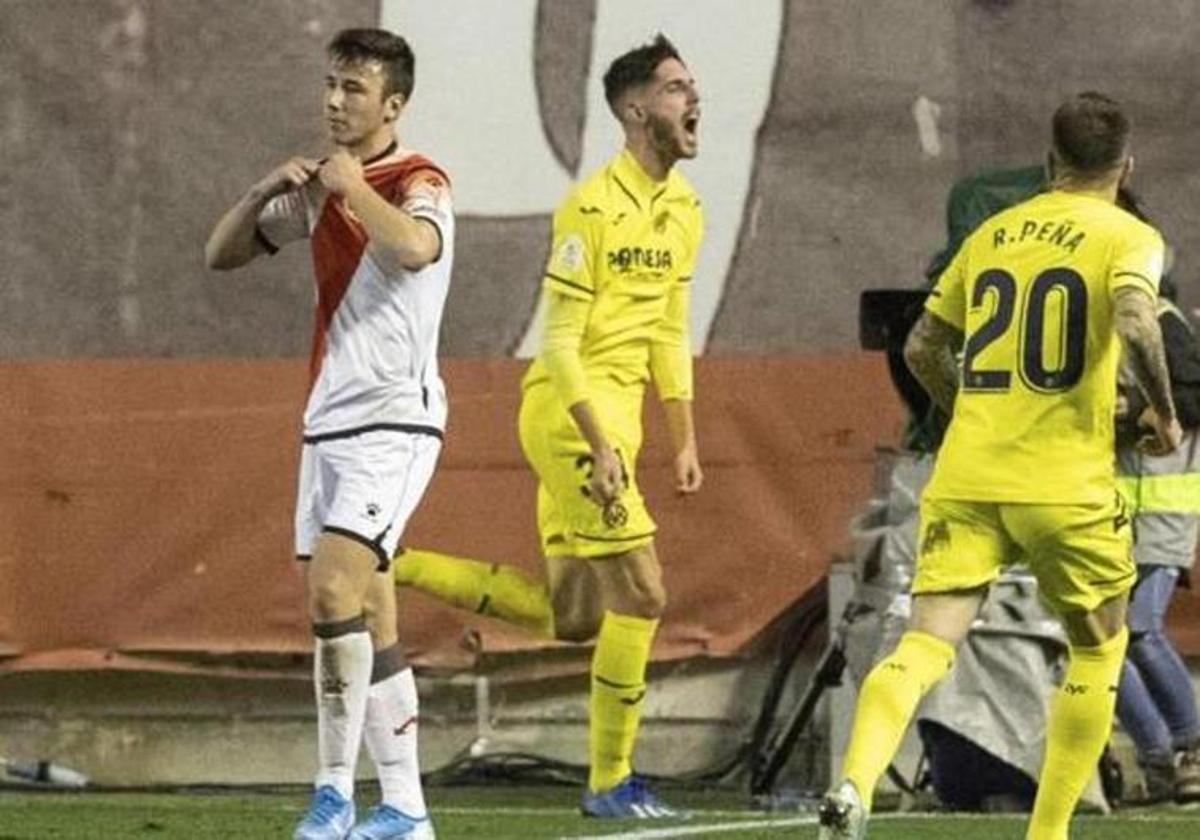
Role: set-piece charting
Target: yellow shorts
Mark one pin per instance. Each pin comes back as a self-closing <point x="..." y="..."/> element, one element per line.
<point x="1081" y="554"/>
<point x="569" y="522"/>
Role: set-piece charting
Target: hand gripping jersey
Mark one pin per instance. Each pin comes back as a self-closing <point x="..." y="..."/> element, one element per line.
<point x="374" y="356"/>
<point x="1032" y="290"/>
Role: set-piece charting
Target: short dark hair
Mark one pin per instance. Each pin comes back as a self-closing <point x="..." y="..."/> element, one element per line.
<point x="1091" y="133"/>
<point x="388" y="48"/>
<point x="636" y="67"/>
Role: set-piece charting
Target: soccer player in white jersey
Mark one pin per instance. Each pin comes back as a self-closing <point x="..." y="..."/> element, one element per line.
<point x="381" y="229"/>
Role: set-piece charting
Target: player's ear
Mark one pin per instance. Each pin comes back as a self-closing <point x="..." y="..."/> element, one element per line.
<point x="393" y="107"/>
<point x="1127" y="170"/>
<point x="632" y="109"/>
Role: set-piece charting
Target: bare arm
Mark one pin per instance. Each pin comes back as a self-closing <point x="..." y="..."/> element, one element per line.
<point x="1136" y="319"/>
<point x="412" y="242"/>
<point x="607" y="480"/>
<point x="682" y="427"/>
<point x="589" y="425"/>
<point x="233" y="242"/>
<point x="929" y="353"/>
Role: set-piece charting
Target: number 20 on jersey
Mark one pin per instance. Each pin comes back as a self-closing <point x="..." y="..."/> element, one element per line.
<point x="1033" y="317"/>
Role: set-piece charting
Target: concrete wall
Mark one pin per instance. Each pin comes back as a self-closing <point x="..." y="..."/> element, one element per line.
<point x="832" y="131"/>
<point x="131" y="729"/>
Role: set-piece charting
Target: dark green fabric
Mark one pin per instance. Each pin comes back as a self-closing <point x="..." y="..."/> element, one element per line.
<point x="971" y="202"/>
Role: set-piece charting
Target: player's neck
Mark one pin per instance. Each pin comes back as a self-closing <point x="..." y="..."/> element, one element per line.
<point x="1103" y="186"/>
<point x="654" y="163"/>
<point x="373" y="146"/>
<point x="1103" y="190"/>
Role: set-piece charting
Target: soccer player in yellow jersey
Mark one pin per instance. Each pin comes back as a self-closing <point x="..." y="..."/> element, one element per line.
<point x="616" y="294"/>
<point x="1040" y="299"/>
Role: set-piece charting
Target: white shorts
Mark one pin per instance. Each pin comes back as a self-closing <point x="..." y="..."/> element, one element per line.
<point x="364" y="487"/>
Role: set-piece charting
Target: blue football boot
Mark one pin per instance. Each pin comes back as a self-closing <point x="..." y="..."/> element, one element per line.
<point x="630" y="798"/>
<point x="329" y="817"/>
<point x="388" y="823"/>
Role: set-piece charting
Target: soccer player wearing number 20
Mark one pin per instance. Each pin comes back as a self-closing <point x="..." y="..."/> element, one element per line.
<point x="1040" y="299"/>
<point x="379" y="222"/>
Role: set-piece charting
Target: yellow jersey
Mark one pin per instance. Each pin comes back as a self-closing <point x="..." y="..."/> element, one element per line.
<point x="627" y="245"/>
<point x="1032" y="290"/>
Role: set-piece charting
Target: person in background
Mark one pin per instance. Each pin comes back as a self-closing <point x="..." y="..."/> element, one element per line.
<point x="1156" y="702"/>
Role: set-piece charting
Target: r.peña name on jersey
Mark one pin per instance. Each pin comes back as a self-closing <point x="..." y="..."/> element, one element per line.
<point x="1061" y="233"/>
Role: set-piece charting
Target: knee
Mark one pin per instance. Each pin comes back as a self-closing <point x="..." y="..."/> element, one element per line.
<point x="1096" y="627"/>
<point x="575" y="628"/>
<point x="652" y="601"/>
<point x="645" y="599"/>
<point x="576" y="606"/>
<point x="638" y="592"/>
<point x="1142" y="641"/>
<point x="382" y="627"/>
<point x="1139" y="635"/>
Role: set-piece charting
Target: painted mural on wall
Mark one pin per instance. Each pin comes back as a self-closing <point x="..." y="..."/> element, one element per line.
<point x="831" y="134"/>
<point x="516" y="143"/>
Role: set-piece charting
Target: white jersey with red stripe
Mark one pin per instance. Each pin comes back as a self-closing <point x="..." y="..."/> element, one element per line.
<point x="374" y="357"/>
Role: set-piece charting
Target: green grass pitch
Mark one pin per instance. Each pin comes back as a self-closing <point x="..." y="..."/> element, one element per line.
<point x="509" y="814"/>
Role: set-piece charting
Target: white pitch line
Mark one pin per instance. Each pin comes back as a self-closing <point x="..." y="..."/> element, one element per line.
<point x="685" y="830"/>
<point x="502" y="811"/>
<point x="533" y="811"/>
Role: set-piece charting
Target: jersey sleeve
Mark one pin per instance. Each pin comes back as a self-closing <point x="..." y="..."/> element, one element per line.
<point x="671" y="348"/>
<point x="575" y="248"/>
<point x="1137" y="261"/>
<point x="948" y="298"/>
<point x="566" y="320"/>
<point x="426" y="195"/>
<point x="282" y="220"/>
<point x="695" y="230"/>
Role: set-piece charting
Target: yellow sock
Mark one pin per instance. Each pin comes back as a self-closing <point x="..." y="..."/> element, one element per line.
<point x="618" y="688"/>
<point x="1080" y="722"/>
<point x="886" y="703"/>
<point x="486" y="588"/>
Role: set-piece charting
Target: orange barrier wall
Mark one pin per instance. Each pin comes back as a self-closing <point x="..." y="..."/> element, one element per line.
<point x="145" y="507"/>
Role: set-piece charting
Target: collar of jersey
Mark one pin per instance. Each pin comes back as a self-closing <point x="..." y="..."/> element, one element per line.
<point x="637" y="181"/>
<point x="390" y="150"/>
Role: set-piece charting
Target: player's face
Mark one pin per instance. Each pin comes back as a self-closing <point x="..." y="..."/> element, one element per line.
<point x="673" y="110"/>
<point x="357" y="113"/>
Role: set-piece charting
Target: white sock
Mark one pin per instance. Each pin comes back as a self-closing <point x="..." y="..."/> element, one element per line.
<point x="342" y="675"/>
<point x="391" y="735"/>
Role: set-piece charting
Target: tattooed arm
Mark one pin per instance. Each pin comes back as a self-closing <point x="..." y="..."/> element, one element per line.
<point x="929" y="353"/>
<point x="1137" y="324"/>
<point x="1136" y="319"/>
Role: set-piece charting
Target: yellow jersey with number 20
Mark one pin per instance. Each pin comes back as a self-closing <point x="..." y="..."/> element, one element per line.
<point x="1032" y="290"/>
